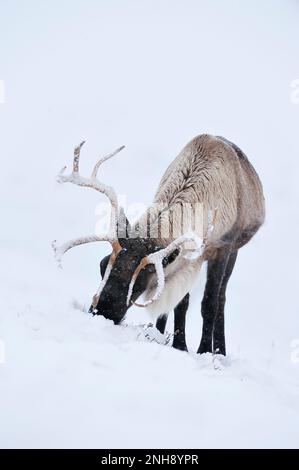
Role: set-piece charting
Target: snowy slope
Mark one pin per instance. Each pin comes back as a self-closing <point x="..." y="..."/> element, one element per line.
<point x="150" y="77"/>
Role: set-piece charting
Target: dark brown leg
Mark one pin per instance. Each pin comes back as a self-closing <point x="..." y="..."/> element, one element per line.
<point x="179" y="339"/>
<point x="209" y="305"/>
<point x="218" y="331"/>
<point x="161" y="323"/>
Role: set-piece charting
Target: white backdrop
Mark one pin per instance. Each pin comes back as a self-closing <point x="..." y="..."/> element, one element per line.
<point x="150" y="75"/>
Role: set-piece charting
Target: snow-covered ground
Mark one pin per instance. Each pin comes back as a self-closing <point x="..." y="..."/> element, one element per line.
<point x="150" y="75"/>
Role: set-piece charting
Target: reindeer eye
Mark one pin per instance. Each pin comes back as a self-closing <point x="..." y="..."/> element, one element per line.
<point x="151" y="268"/>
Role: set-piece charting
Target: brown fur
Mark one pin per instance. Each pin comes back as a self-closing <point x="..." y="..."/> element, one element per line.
<point x="214" y="172"/>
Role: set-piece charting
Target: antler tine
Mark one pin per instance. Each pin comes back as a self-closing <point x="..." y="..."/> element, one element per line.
<point x="60" y="250"/>
<point x="77" y="158"/>
<point x="103" y="159"/>
<point x="157" y="259"/>
<point x="116" y="248"/>
<point x="144" y="262"/>
<point x="161" y="282"/>
<point x="94" y="183"/>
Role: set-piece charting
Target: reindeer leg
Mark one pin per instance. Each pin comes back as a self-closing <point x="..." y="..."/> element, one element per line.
<point x="161" y="323"/>
<point x="179" y="340"/>
<point x="209" y="305"/>
<point x="218" y="331"/>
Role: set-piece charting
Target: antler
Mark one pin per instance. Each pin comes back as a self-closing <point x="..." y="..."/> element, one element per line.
<point x="116" y="249"/>
<point x="157" y="259"/>
<point x="60" y="250"/>
<point x="94" y="183"/>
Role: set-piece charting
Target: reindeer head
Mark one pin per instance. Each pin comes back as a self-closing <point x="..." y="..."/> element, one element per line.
<point x="117" y="270"/>
<point x="126" y="275"/>
<point x="134" y="260"/>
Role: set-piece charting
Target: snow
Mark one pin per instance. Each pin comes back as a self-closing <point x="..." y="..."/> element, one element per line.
<point x="151" y="75"/>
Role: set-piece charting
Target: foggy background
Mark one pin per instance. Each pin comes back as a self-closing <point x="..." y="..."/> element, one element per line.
<point x="150" y="75"/>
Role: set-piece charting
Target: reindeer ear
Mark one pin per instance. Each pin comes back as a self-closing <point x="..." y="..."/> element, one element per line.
<point x="123" y="225"/>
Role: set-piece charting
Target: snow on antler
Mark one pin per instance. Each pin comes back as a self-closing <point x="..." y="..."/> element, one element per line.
<point x="94" y="183"/>
<point x="60" y="250"/>
<point x="157" y="260"/>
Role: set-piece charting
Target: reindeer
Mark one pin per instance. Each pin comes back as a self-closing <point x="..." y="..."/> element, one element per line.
<point x="156" y="259"/>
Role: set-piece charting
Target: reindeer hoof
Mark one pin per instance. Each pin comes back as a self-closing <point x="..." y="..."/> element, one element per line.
<point x="180" y="346"/>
